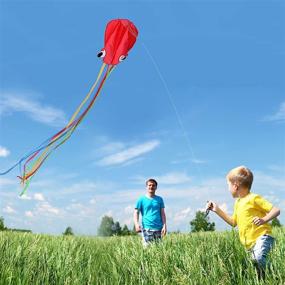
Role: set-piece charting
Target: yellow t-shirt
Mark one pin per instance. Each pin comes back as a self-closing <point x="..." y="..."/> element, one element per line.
<point x="245" y="209"/>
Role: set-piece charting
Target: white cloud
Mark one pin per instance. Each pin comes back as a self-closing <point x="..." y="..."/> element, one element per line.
<point x="129" y="209"/>
<point x="182" y="200"/>
<point x="187" y="160"/>
<point x="9" y="210"/>
<point x="169" y="178"/>
<point x="173" y="178"/>
<point x="81" y="187"/>
<point x="24" y="197"/>
<point x="111" y="147"/>
<point x="36" y="197"/>
<point x="265" y="181"/>
<point x="7" y="182"/>
<point x="29" y="214"/>
<point x="277" y="168"/>
<point x="11" y="103"/>
<point x="4" y="152"/>
<point x="46" y="208"/>
<point x="129" y="153"/>
<point x="198" y="161"/>
<point x="278" y="116"/>
<point x="182" y="215"/>
<point x="39" y="197"/>
<point x="108" y="213"/>
<point x="93" y="201"/>
<point x="129" y="222"/>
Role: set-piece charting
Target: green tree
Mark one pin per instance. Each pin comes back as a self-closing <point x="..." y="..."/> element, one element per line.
<point x="68" y="231"/>
<point x="106" y="227"/>
<point x="276" y="223"/>
<point x="201" y="223"/>
<point x="116" y="229"/>
<point x="2" y="226"/>
<point x="125" y="231"/>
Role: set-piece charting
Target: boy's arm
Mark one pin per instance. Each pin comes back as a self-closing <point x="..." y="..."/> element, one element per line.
<point x="273" y="213"/>
<point x="163" y="217"/>
<point x="136" y="220"/>
<point x="215" y="208"/>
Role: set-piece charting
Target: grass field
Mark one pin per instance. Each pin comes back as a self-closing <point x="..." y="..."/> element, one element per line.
<point x="201" y="258"/>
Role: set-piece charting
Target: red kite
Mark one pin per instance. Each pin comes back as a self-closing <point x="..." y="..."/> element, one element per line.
<point x="120" y="36"/>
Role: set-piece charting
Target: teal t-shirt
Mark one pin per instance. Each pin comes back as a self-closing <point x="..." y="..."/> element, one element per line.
<point x="150" y="209"/>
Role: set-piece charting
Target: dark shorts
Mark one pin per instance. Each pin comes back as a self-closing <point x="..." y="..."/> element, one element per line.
<point x="151" y="235"/>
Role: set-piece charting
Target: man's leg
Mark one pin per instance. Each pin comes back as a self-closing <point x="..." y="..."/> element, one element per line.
<point x="147" y="237"/>
<point x="157" y="236"/>
<point x="150" y="236"/>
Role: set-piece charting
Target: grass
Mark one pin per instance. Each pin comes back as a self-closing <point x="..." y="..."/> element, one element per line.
<point x="200" y="258"/>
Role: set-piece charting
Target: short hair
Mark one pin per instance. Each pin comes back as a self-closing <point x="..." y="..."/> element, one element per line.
<point x="242" y="176"/>
<point x="151" y="180"/>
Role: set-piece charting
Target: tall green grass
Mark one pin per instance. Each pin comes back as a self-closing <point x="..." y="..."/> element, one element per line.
<point x="201" y="258"/>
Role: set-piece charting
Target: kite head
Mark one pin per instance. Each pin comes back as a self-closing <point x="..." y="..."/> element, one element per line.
<point x="120" y="36"/>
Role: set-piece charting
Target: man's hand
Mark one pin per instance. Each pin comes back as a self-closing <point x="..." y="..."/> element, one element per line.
<point x="164" y="230"/>
<point x="258" y="221"/>
<point x="138" y="228"/>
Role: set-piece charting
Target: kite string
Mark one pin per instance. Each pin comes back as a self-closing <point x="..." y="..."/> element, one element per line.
<point x="170" y="98"/>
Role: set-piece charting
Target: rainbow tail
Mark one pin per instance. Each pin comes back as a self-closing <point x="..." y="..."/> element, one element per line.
<point x="34" y="160"/>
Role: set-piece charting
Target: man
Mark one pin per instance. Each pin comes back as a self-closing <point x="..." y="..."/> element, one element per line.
<point x="152" y="210"/>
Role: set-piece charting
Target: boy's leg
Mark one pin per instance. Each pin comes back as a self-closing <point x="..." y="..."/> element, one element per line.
<point x="260" y="251"/>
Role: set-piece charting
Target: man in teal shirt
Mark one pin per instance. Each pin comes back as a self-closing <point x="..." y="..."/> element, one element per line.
<point x="152" y="210"/>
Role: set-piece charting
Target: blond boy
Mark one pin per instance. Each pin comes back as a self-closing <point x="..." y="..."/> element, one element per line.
<point x="251" y="214"/>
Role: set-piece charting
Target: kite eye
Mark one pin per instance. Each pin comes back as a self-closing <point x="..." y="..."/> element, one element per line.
<point x="122" y="58"/>
<point x="102" y="53"/>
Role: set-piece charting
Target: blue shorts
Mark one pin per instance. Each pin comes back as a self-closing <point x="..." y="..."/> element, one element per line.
<point x="261" y="249"/>
<point x="151" y="235"/>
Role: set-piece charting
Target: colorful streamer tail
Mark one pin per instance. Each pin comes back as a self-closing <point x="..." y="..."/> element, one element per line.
<point x="34" y="160"/>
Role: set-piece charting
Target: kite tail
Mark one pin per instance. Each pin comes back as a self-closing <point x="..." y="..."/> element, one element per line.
<point x="34" y="163"/>
<point x="34" y="159"/>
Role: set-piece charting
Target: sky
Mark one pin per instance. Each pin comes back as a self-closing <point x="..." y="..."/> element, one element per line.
<point x="201" y="92"/>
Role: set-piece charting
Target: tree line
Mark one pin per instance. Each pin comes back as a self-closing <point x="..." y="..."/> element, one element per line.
<point x="108" y="227"/>
<point x="4" y="228"/>
<point x="201" y="222"/>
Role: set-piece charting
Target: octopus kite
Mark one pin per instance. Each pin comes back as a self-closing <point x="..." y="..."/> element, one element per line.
<point x="120" y="36"/>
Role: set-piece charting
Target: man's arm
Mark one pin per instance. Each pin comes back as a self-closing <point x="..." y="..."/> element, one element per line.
<point x="215" y="208"/>
<point x="163" y="217"/>
<point x="273" y="213"/>
<point x="136" y="220"/>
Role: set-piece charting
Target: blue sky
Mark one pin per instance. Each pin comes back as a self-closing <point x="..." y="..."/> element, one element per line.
<point x="201" y="92"/>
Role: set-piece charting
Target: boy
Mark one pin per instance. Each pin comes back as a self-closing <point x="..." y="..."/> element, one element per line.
<point x="151" y="208"/>
<point x="251" y="214"/>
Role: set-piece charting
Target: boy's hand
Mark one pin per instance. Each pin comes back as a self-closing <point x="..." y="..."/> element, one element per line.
<point x="212" y="206"/>
<point x="258" y="221"/>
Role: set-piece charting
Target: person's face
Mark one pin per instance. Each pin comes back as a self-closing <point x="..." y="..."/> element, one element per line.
<point x="151" y="187"/>
<point x="233" y="187"/>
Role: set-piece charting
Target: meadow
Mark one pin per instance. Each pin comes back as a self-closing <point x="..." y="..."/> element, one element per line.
<point x="198" y="258"/>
